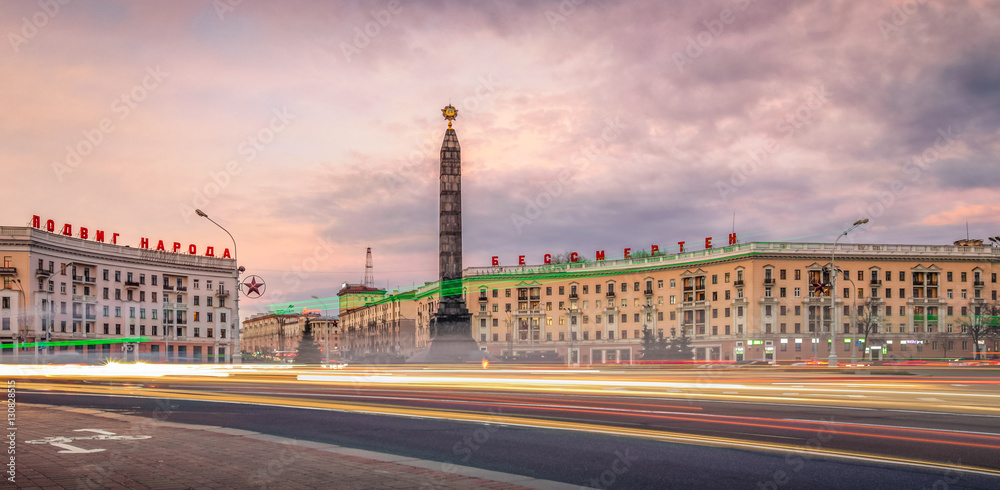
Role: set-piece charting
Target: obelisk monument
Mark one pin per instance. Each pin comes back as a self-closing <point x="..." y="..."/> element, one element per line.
<point x="451" y="327"/>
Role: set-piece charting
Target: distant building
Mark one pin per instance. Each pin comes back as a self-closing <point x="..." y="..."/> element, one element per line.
<point x="744" y="302"/>
<point x="271" y="335"/>
<point x="68" y="289"/>
<point x="377" y="325"/>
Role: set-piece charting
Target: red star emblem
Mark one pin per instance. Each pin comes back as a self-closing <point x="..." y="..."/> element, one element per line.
<point x="254" y="289"/>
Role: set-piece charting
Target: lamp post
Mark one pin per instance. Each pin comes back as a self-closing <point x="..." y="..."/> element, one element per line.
<point x="833" y="294"/>
<point x="236" y="355"/>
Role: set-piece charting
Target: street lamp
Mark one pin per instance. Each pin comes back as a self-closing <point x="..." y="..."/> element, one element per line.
<point x="833" y="294"/>
<point x="326" y="321"/>
<point x="236" y="355"/>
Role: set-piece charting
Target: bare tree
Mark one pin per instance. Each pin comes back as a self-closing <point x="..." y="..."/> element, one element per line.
<point x="869" y="319"/>
<point x="981" y="322"/>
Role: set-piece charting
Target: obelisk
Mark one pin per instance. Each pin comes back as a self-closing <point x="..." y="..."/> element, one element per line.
<point x="451" y="327"/>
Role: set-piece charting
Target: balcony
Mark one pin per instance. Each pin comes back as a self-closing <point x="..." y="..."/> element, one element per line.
<point x="182" y="288"/>
<point x="175" y="306"/>
<point x="535" y="297"/>
<point x="222" y="292"/>
<point x="91" y="316"/>
<point x="77" y="315"/>
<point x="875" y="282"/>
<point x="131" y="285"/>
<point x="770" y="281"/>
<point x="167" y="287"/>
<point x="80" y="298"/>
<point x="8" y="271"/>
<point x="482" y="297"/>
<point x="611" y="294"/>
<point x="648" y="292"/>
<point x="43" y="273"/>
<point x="574" y="296"/>
<point x="978" y="284"/>
<point x="738" y="283"/>
<point x="85" y="279"/>
<point x="182" y="321"/>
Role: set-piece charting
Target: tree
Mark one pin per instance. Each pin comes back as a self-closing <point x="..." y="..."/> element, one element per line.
<point x="308" y="351"/>
<point x="869" y="319"/>
<point x="680" y="347"/>
<point x="654" y="347"/>
<point x="564" y="257"/>
<point x="982" y="322"/>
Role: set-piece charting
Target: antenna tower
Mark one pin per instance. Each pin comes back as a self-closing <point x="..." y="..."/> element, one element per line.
<point x="369" y="275"/>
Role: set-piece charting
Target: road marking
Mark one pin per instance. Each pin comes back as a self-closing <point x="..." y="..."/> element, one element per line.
<point x="101" y="435"/>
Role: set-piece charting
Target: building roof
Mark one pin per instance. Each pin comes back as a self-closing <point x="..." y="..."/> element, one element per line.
<point x="357" y="288"/>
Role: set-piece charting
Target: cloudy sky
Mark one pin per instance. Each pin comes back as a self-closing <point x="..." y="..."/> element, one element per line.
<point x="311" y="129"/>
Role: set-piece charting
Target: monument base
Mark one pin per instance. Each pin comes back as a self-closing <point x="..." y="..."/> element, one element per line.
<point x="450" y="349"/>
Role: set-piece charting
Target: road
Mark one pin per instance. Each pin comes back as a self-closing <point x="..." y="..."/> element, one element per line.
<point x="628" y="428"/>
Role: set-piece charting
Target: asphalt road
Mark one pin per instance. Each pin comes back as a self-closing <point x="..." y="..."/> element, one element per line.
<point x="756" y="430"/>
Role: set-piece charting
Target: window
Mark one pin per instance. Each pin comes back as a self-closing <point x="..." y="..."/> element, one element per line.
<point x="964" y="277"/>
<point x="197" y="332"/>
<point x="659" y="283"/>
<point x="197" y="301"/>
<point x="196" y="287"/>
<point x="798" y="292"/>
<point x="597" y="289"/>
<point x="635" y="287"/>
<point x="902" y="276"/>
<point x="781" y="293"/>
<point x="781" y="274"/>
<point x="624" y="287"/>
<point x="798" y="275"/>
<point x="562" y="290"/>
<point x="105" y="274"/>
<point x="548" y="291"/>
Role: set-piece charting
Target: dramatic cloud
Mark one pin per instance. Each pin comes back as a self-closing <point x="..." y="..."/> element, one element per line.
<point x="311" y="130"/>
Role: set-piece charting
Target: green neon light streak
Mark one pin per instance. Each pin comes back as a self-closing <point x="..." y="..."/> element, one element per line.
<point x="123" y="340"/>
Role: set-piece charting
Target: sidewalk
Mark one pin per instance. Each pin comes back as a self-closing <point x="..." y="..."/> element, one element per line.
<point x="60" y="447"/>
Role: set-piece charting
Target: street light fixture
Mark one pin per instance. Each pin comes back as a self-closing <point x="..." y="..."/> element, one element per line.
<point x="236" y="355"/>
<point x="833" y="294"/>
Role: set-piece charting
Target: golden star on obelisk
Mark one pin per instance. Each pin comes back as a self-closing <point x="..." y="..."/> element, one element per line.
<point x="450" y="113"/>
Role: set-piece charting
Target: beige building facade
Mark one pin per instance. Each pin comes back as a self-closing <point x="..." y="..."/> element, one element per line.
<point x="746" y="302"/>
<point x="87" y="296"/>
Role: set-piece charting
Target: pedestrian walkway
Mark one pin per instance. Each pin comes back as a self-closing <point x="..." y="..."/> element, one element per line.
<point x="73" y="448"/>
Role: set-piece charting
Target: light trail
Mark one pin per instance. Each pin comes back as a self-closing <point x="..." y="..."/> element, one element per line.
<point x="514" y="421"/>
